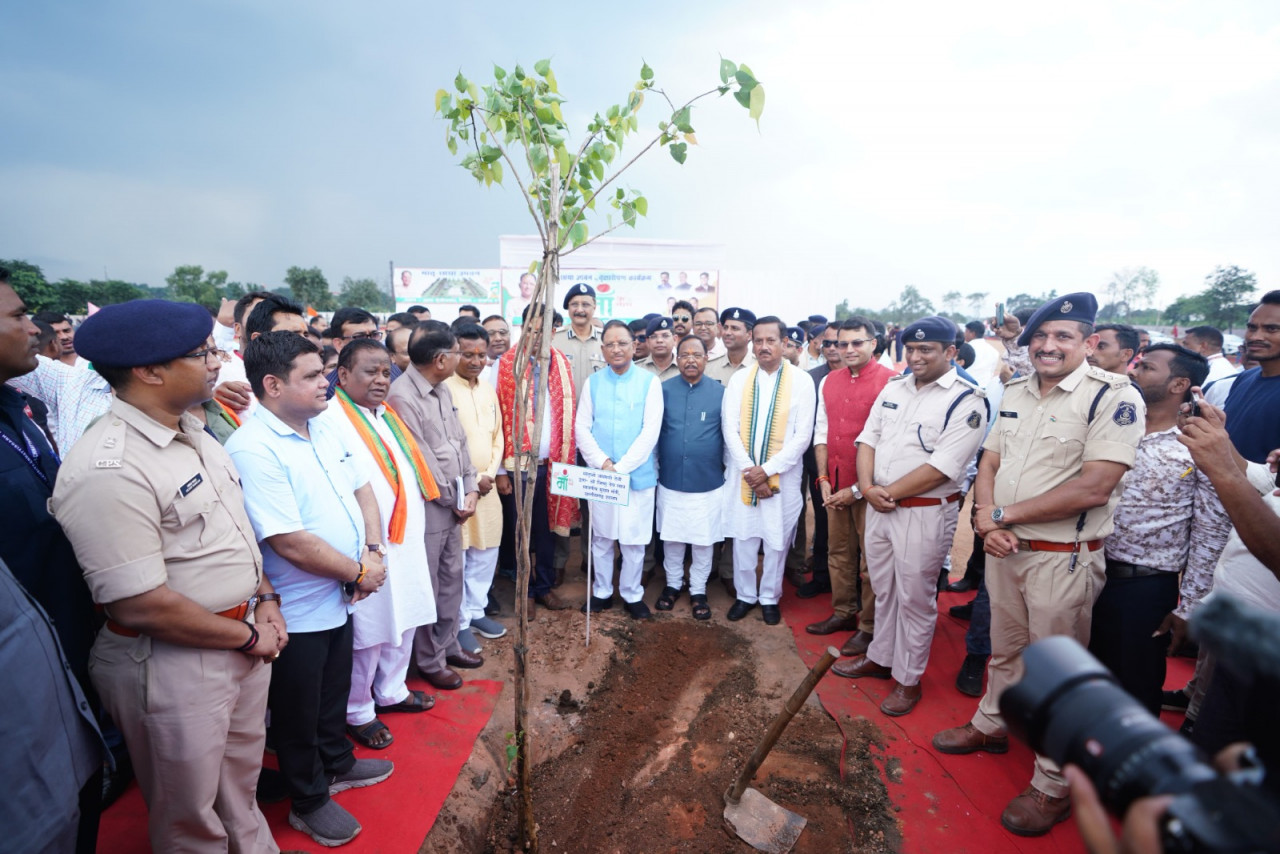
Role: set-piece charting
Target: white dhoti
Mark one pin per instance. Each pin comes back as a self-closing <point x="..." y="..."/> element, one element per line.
<point x="904" y="549"/>
<point x="688" y="519"/>
<point x="378" y="676"/>
<point x="770" y="524"/>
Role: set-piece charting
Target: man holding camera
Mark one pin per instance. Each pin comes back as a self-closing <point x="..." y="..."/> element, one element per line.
<point x="1046" y="490"/>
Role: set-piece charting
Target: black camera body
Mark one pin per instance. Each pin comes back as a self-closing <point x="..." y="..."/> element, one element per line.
<point x="1070" y="708"/>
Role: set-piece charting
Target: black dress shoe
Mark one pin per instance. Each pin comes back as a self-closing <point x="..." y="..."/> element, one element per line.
<point x="594" y="604"/>
<point x="961" y="612"/>
<point x="964" y="585"/>
<point x="739" y="609"/>
<point x="969" y="679"/>
<point x="637" y="610"/>
<point x="492" y="608"/>
<point x="464" y="659"/>
<point x="772" y="616"/>
<point x="814" y="587"/>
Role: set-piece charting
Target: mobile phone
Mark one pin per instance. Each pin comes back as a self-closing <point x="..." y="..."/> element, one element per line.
<point x="999" y="314"/>
<point x="1195" y="407"/>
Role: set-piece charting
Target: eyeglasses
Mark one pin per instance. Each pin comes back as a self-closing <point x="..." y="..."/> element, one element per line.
<point x="844" y="345"/>
<point x="203" y="354"/>
<point x="826" y="343"/>
<point x="640" y="339"/>
<point x="697" y="357"/>
<point x="372" y="336"/>
<point x="681" y="318"/>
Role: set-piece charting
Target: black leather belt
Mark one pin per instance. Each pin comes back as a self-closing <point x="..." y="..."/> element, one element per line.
<point x="1120" y="569"/>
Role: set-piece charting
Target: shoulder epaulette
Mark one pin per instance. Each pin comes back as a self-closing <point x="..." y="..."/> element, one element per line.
<point x="977" y="390"/>
<point x="109" y="449"/>
<point x="1113" y="380"/>
<point x="1019" y="379"/>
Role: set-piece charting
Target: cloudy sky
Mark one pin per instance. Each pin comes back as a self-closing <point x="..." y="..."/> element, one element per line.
<point x="1000" y="147"/>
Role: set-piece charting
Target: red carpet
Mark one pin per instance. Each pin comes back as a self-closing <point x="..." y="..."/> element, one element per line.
<point x="945" y="803"/>
<point x="429" y="751"/>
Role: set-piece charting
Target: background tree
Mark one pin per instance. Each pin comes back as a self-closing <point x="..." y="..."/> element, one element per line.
<point x="310" y="287"/>
<point x="911" y="305"/>
<point x="189" y="283"/>
<point x="29" y="281"/>
<point x="366" y="294"/>
<point x="514" y="128"/>
<point x="1130" y="290"/>
<point x="1225" y="296"/>
<point x="951" y="301"/>
<point x="978" y="303"/>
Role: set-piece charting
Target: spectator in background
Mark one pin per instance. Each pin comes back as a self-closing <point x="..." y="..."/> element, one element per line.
<point x="1117" y="345"/>
<point x="681" y="318"/>
<point x="1253" y="407"/>
<point x="1207" y="341"/>
<point x="469" y="311"/>
<point x="986" y="359"/>
<point x="640" y="335"/>
<point x="350" y="323"/>
<point x="421" y="312"/>
<point x="66" y="334"/>
<point x="398" y="346"/>
<point x="233" y="337"/>
<point x="46" y="340"/>
<point x="662" y="358"/>
<point x="400" y="320"/>
<point x="706" y="325"/>
<point x="499" y="338"/>
<point x="329" y="357"/>
<point x="271" y="313"/>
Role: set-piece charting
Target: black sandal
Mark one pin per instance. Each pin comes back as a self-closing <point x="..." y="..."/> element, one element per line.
<point x="667" y="600"/>
<point x="365" y="735"/>
<point x="417" y="701"/>
<point x="701" y="610"/>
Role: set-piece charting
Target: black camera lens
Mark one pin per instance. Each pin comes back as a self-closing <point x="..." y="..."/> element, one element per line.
<point x="1070" y="708"/>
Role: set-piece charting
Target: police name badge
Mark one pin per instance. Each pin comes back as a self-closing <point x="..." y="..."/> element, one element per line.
<point x="1126" y="413"/>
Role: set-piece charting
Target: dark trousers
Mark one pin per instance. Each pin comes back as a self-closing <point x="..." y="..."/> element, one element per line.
<point x="1127" y="613"/>
<point x="542" y="539"/>
<point x="310" y="682"/>
<point x="977" y="640"/>
<point x="507" y="547"/>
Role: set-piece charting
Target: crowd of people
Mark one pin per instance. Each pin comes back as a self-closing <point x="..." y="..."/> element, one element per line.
<point x="219" y="524"/>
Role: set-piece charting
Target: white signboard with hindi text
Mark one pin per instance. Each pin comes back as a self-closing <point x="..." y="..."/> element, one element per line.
<point x="609" y="487"/>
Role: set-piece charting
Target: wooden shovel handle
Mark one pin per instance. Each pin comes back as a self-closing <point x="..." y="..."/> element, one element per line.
<point x="734" y="794"/>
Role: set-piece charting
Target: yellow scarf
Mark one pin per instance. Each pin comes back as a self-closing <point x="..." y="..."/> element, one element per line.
<point x="774" y="422"/>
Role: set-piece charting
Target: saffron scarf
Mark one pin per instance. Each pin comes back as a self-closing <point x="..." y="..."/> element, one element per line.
<point x="387" y="462"/>
<point x="562" y="511"/>
<point x="774" y="422"/>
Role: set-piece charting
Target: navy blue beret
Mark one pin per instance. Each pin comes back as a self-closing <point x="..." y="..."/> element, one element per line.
<point x="657" y="323"/>
<point x="580" y="289"/>
<point x="817" y="318"/>
<point x="796" y="334"/>
<point x="740" y="314"/>
<point x="650" y="316"/>
<point x="143" y="332"/>
<point x="817" y="329"/>
<point x="930" y="329"/>
<point x="1081" y="307"/>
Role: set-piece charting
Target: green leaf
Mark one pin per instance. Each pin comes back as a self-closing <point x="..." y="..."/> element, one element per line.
<point x="519" y="72"/>
<point x="743" y="97"/>
<point x="681" y="120"/>
<point x="498" y="72"/>
<point x="641" y="205"/>
<point x="598" y="168"/>
<point x="551" y="80"/>
<point x="646" y="73"/>
<point x="565" y="160"/>
<point x="727" y="70"/>
<point x="629" y="215"/>
<point x="440" y="96"/>
<point x="745" y="80"/>
<point x="538" y="155"/>
<point x="678" y="152"/>
<point x="621" y="194"/>
<point x="453" y="145"/>
<point x="489" y="153"/>
<point x="497" y="172"/>
<point x="578" y="234"/>
<point x="533" y="265"/>
<point x="757" y="103"/>
<point x="613" y="112"/>
<point x="460" y="83"/>
<point x="542" y="66"/>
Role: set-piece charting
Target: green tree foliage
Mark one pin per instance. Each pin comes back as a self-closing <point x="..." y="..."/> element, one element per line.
<point x="1223" y="303"/>
<point x="68" y="296"/>
<point x="366" y="294"/>
<point x="29" y="281"/>
<point x="310" y="287"/>
<point x="1130" y="290"/>
<point x="190" y="283"/>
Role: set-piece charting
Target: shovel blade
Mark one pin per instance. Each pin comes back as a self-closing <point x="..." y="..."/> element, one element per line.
<point x="762" y="824"/>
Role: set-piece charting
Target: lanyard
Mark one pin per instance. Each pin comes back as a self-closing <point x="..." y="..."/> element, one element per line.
<point x="31" y="453"/>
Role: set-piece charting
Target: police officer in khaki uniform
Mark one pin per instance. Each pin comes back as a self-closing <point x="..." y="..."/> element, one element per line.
<point x="152" y="504"/>
<point x="923" y="430"/>
<point x="662" y="337"/>
<point x="580" y="341"/>
<point x="1047" y="486"/>
<point x="735" y="331"/>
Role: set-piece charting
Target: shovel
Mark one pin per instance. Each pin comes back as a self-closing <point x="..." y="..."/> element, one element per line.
<point x="760" y="822"/>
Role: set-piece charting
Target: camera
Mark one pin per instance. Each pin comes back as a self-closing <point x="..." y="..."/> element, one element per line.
<point x="1070" y="708"/>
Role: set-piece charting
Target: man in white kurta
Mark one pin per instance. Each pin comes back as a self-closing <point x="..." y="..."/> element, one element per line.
<point x="752" y="471"/>
<point x="617" y="426"/>
<point x="476" y="403"/>
<point x="384" y="624"/>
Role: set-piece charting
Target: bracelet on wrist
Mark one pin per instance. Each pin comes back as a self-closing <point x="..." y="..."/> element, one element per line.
<point x="252" y="641"/>
<point x="822" y="479"/>
<point x="364" y="570"/>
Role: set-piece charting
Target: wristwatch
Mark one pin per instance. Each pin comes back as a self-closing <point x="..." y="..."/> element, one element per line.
<point x="857" y="493"/>
<point x="997" y="516"/>
<point x="377" y="547"/>
<point x="267" y="597"/>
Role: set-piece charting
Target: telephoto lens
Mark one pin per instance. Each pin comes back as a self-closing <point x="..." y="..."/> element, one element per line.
<point x="1070" y="708"/>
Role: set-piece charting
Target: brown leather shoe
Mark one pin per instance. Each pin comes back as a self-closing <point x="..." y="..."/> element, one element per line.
<point x="552" y="602"/>
<point x="902" y="700"/>
<point x="969" y="739"/>
<point x="856" y="668"/>
<point x="858" y="644"/>
<point x="1033" y="813"/>
<point x="464" y="659"/>
<point x="833" y="624"/>
<point x="445" y="680"/>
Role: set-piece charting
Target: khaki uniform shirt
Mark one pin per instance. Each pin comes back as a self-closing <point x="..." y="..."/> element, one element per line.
<point x="671" y="370"/>
<point x="720" y="370"/>
<point x="585" y="356"/>
<point x="1044" y="441"/>
<point x="906" y="427"/>
<point x="146" y="506"/>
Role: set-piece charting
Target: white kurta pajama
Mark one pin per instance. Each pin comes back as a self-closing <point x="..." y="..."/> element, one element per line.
<point x="772" y="521"/>
<point x="629" y="526"/>
<point x="384" y="623"/>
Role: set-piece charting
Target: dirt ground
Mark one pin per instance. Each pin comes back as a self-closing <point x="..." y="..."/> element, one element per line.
<point x="636" y="738"/>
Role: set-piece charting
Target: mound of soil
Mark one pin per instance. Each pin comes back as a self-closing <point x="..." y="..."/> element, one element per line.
<point x="665" y="732"/>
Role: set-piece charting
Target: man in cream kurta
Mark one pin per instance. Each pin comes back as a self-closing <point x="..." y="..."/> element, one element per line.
<point x="476" y="403"/>
<point x="383" y="624"/>
<point x="769" y="520"/>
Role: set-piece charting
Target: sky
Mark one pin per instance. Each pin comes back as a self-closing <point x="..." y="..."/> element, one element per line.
<point x="995" y="147"/>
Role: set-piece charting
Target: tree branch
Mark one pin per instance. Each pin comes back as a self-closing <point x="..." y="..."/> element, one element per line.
<point x="515" y="173"/>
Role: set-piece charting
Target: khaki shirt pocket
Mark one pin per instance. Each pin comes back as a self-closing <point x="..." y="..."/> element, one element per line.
<point x="186" y="522"/>
<point x="1011" y="441"/>
<point x="1064" y="443"/>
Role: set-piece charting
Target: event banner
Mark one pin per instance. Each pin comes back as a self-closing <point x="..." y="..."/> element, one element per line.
<point x="620" y="294"/>
<point x="443" y="291"/>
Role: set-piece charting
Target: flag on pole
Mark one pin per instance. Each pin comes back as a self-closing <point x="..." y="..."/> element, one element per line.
<point x="93" y="309"/>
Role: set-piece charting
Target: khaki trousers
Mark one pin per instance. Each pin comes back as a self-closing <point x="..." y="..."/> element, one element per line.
<point x="904" y="549"/>
<point x="1035" y="595"/>
<point x="846" y="529"/>
<point x="193" y="720"/>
